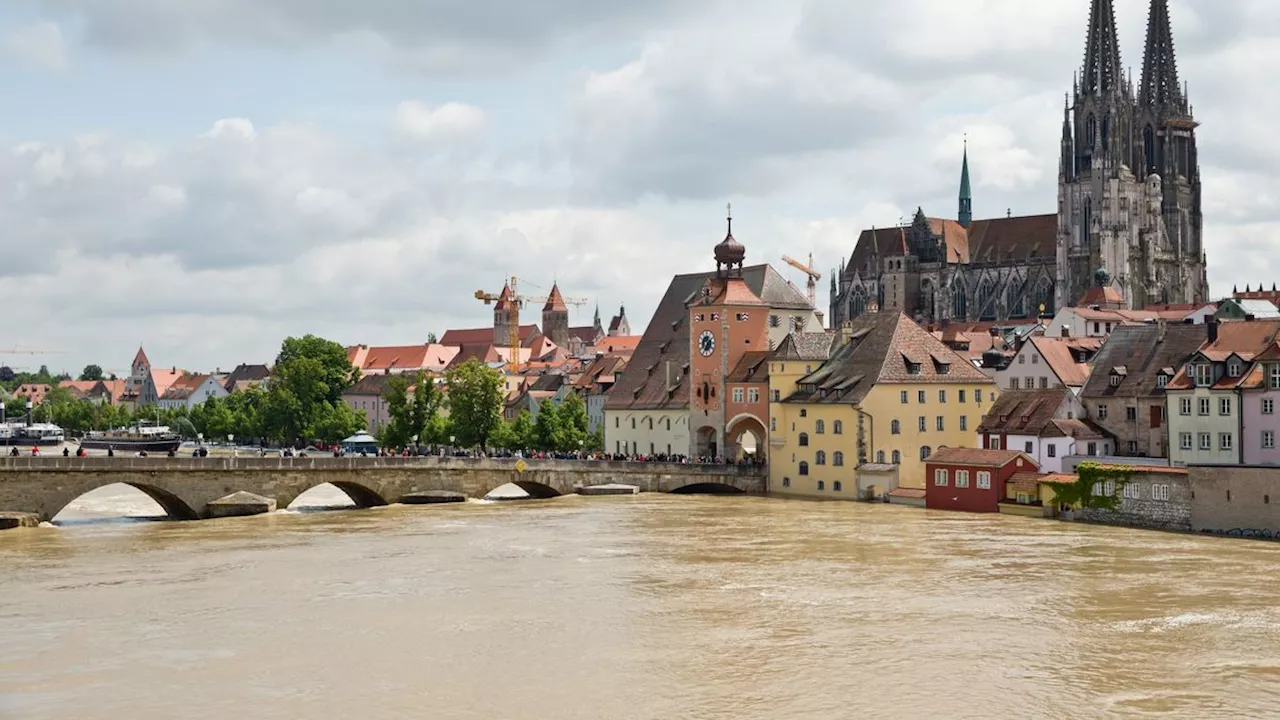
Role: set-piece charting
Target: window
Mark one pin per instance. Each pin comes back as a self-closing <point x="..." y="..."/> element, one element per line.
<point x="1102" y="412"/>
<point x="837" y="458"/>
<point x="773" y="425"/>
<point x="922" y="423"/>
<point x="925" y="452"/>
<point x="897" y="457"/>
<point x="1204" y="406"/>
<point x="819" y="427"/>
<point x="984" y="480"/>
<point x="1224" y="441"/>
<point x="1133" y="447"/>
<point x="1162" y="380"/>
<point x="1160" y="492"/>
<point x="650" y="423"/>
<point x="786" y="482"/>
<point x="1204" y="375"/>
<point x="804" y="439"/>
<point x="941" y="423"/>
<point x="995" y="442"/>
<point x="777" y="396"/>
<point x="920" y="397"/>
<point x="1268" y="406"/>
<point x="1233" y="368"/>
<point x="820" y="458"/>
<point x="962" y="478"/>
<point x="804" y="413"/>
<point x="1022" y="359"/>
<point x="1184" y="406"/>
<point x="895" y="428"/>
<point x="1115" y="380"/>
<point x="1131" y="414"/>
<point x="940" y="477"/>
<point x="753" y="395"/>
<point x="977" y="396"/>
<point x="804" y="468"/>
<point x="1044" y="383"/>
<point x="1013" y="383"/>
<point x="964" y="423"/>
<point x="1030" y="447"/>
<point x="962" y="394"/>
<point x="1274" y="384"/>
<point x="837" y="486"/>
<point x="942" y="396"/>
<point x="738" y="395"/>
<point x="913" y="368"/>
<point x="1132" y="492"/>
<point x="902" y="396"/>
<point x="1052" y="450"/>
<point x="822" y="485"/>
<point x="1224" y="406"/>
<point x="837" y="427"/>
<point x="1093" y="449"/>
<point x="633" y="423"/>
<point x="1206" y="441"/>
<point x="1184" y="441"/>
<point x="1268" y="439"/>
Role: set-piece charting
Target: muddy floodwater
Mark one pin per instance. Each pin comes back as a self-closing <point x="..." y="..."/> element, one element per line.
<point x="649" y="606"/>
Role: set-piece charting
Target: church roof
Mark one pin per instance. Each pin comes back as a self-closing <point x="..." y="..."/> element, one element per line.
<point x="555" y="301"/>
<point x="480" y="336"/>
<point x="1007" y="240"/>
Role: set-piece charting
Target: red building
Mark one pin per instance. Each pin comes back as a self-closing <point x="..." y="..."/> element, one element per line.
<point x="972" y="479"/>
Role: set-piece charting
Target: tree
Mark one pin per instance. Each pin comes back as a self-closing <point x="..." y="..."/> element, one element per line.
<point x="91" y="372"/>
<point x="7" y="375"/>
<point x="304" y="399"/>
<point x="474" y="402"/>
<point x="548" y="430"/>
<point x="573" y="418"/>
<point x="1085" y="493"/>
<point x="523" y="433"/>
<point x="335" y="372"/>
<point x="431" y="338"/>
<point x="410" y="409"/>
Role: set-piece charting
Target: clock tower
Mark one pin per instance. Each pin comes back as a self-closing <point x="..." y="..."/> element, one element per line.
<point x="726" y="321"/>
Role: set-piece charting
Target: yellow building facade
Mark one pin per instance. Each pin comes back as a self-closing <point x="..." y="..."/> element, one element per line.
<point x="887" y="394"/>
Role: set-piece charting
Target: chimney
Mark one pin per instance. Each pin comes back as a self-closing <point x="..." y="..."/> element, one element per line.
<point x="1212" y="325"/>
<point x="1161" y="325"/>
<point x="666" y="369"/>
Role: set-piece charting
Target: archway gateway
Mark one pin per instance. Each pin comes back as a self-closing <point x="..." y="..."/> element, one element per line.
<point x="746" y="439"/>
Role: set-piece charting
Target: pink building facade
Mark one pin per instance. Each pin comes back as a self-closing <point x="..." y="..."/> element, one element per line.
<point x="1260" y="410"/>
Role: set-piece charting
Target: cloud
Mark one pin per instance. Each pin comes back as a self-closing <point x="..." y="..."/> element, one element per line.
<point x="417" y="121"/>
<point x="40" y="45"/>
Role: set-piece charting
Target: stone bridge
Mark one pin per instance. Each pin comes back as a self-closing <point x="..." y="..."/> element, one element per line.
<point x="184" y="487"/>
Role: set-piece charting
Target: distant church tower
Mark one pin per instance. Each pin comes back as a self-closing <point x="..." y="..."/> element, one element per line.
<point x="965" y="215"/>
<point x="555" y="318"/>
<point x="1129" y="176"/>
<point x="502" y="320"/>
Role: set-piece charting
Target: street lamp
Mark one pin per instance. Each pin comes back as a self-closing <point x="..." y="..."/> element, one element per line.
<point x="29" y="406"/>
<point x="415" y="445"/>
<point x="232" y="440"/>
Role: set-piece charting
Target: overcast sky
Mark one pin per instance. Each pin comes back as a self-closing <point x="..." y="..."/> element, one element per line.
<point x="208" y="176"/>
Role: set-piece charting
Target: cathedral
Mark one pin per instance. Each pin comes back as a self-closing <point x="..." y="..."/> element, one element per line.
<point x="1128" y="210"/>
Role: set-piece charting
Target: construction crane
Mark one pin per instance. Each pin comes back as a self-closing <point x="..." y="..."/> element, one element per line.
<point x="814" y="276"/>
<point x="16" y="351"/>
<point x="511" y="294"/>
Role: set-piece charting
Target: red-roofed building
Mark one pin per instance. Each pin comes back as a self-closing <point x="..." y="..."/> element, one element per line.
<point x="972" y="479"/>
<point x="431" y="358"/>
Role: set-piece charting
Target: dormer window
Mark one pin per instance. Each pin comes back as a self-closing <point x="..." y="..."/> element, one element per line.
<point x="1275" y="377"/>
<point x="1233" y="368"/>
<point x="1161" y="380"/>
<point x="1204" y="374"/>
<point x="913" y="368"/>
<point x="1115" y="380"/>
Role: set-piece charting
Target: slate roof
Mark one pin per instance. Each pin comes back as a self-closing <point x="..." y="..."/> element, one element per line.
<point x="977" y="456"/>
<point x="1023" y="412"/>
<point x="753" y="367"/>
<point x="666" y="339"/>
<point x="805" y="346"/>
<point x="601" y="370"/>
<point x="1138" y="349"/>
<point x="370" y="385"/>
<point x="997" y="240"/>
<point x="248" y="373"/>
<point x="881" y="346"/>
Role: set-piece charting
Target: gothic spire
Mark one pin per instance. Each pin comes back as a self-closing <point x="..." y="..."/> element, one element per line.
<point x="1102" y="73"/>
<point x="966" y="195"/>
<point x="1160" y="87"/>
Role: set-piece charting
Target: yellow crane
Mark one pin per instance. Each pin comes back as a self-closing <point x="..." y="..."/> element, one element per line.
<point x="814" y="276"/>
<point x="511" y="294"/>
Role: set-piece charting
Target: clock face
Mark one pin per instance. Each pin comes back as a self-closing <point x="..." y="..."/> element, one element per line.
<point x="706" y="343"/>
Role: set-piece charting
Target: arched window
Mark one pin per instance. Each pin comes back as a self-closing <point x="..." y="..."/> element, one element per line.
<point x="819" y="427"/>
<point x="895" y="428"/>
<point x="1149" y="148"/>
<point x="1014" y="300"/>
<point x="880" y="456"/>
<point x="897" y="458"/>
<point x="987" y="300"/>
<point x="1044" y="295"/>
<point x="959" y="301"/>
<point x="804" y="439"/>
<point x="1086" y="223"/>
<point x="804" y="468"/>
<point x="857" y="302"/>
<point x="1106" y="130"/>
<point x="837" y="427"/>
<point x="925" y="452"/>
<point x="820" y="458"/>
<point x="1090" y="132"/>
<point x="837" y="459"/>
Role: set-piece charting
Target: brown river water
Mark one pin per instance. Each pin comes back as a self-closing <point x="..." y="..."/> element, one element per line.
<point x="633" y="607"/>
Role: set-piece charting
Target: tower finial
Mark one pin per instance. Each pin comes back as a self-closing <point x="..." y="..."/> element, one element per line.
<point x="728" y="215"/>
<point x="1102" y="70"/>
<point x="1160" y="88"/>
<point x="965" y="214"/>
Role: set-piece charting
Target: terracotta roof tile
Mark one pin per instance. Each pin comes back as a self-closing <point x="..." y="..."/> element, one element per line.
<point x="753" y="367"/>
<point x="1061" y="355"/>
<point x="976" y="456"/>
<point x="480" y="336"/>
<point x="1024" y="412"/>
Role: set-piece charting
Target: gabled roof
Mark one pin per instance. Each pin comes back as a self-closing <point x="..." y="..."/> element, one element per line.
<point x="398" y="358"/>
<point x="141" y="358"/>
<point x="619" y="344"/>
<point x="162" y="379"/>
<point x="1024" y="412"/>
<point x="479" y="336"/>
<point x="1061" y="356"/>
<point x="1245" y="339"/>
<point x="248" y="373"/>
<point x="600" y="371"/>
<point x="881" y="347"/>
<point x="1017" y="238"/>
<point x="370" y="385"/>
<point x="555" y="301"/>
<point x="978" y="456"/>
<point x="753" y="367"/>
<point x="814" y="346"/>
<point x="1143" y="353"/>
<point x="182" y="387"/>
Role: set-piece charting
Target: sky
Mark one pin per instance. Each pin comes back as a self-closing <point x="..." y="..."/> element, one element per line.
<point x="207" y="177"/>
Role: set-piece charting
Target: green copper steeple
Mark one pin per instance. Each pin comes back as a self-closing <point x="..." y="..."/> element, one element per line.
<point x="966" y="195"/>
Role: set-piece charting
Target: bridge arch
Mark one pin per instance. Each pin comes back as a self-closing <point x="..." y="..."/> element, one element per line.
<point x="174" y="507"/>
<point x="708" y="488"/>
<point x="361" y="496"/>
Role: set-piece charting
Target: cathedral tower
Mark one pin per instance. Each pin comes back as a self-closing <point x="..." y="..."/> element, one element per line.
<point x="1129" y="187"/>
<point x="965" y="215"/>
<point x="555" y="318"/>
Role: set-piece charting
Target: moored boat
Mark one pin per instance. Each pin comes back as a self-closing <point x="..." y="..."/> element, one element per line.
<point x="144" y="438"/>
<point x="33" y="434"/>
